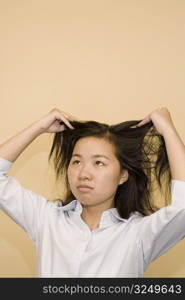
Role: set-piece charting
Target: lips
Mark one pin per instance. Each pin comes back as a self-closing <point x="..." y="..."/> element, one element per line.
<point x="84" y="188"/>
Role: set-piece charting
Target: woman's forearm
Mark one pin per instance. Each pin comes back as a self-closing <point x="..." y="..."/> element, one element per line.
<point x="176" y="154"/>
<point x="49" y="123"/>
<point x="14" y="146"/>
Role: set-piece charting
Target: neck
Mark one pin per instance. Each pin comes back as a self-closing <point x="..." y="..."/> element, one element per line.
<point x="91" y="215"/>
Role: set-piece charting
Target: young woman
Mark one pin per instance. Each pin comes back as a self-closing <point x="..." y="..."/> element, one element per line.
<point x="106" y="226"/>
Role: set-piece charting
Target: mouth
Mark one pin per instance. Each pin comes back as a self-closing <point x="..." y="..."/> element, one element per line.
<point x="84" y="188"/>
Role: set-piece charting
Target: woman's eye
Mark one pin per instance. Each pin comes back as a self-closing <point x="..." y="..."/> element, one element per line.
<point x="75" y="161"/>
<point x="98" y="161"/>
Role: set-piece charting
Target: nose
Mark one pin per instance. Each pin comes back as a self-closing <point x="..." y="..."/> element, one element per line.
<point x="84" y="172"/>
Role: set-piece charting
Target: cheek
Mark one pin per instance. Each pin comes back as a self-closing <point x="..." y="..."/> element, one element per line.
<point x="106" y="179"/>
<point x="111" y="178"/>
<point x="70" y="175"/>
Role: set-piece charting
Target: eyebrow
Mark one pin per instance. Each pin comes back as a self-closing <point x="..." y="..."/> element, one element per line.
<point x="95" y="155"/>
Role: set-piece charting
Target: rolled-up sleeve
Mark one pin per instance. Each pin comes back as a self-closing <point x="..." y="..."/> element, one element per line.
<point x="164" y="228"/>
<point x="20" y="204"/>
<point x="178" y="193"/>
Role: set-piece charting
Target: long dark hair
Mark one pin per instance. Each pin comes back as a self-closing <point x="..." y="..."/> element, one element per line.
<point x="139" y="150"/>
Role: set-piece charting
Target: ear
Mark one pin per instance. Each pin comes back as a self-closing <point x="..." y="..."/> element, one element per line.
<point x="124" y="176"/>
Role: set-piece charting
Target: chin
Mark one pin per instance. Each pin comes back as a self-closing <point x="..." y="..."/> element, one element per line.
<point x="85" y="201"/>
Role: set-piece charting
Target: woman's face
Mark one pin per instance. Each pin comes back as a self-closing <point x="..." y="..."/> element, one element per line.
<point x="93" y="163"/>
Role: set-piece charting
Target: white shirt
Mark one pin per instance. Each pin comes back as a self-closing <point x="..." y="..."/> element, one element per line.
<point x="65" y="245"/>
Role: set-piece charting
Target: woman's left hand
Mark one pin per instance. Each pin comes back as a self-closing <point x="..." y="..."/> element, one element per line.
<point x="161" y="120"/>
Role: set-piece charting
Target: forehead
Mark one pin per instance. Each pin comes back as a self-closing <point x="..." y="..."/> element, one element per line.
<point x="94" y="145"/>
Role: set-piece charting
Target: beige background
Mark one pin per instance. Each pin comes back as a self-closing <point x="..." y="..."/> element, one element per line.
<point x="102" y="60"/>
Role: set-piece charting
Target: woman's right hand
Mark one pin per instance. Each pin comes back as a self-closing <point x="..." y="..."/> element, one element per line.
<point x="55" y="121"/>
<point x="14" y="146"/>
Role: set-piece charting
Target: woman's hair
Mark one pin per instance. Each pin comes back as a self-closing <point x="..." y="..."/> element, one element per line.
<point x="140" y="150"/>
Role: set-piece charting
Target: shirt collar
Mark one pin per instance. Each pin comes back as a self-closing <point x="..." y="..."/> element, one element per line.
<point x="108" y="217"/>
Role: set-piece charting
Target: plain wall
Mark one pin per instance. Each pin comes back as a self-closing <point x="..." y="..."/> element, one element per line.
<point x="101" y="60"/>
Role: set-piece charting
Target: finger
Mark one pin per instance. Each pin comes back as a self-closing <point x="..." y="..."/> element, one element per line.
<point x="143" y="122"/>
<point x="61" y="118"/>
<point x="72" y="118"/>
<point x="61" y="128"/>
<point x="67" y="115"/>
<point x="64" y="121"/>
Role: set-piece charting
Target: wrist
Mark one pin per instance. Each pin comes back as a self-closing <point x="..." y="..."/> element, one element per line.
<point x="170" y="134"/>
<point x="36" y="129"/>
<point x="169" y="131"/>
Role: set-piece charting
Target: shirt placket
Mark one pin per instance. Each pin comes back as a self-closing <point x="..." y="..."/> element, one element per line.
<point x="82" y="243"/>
